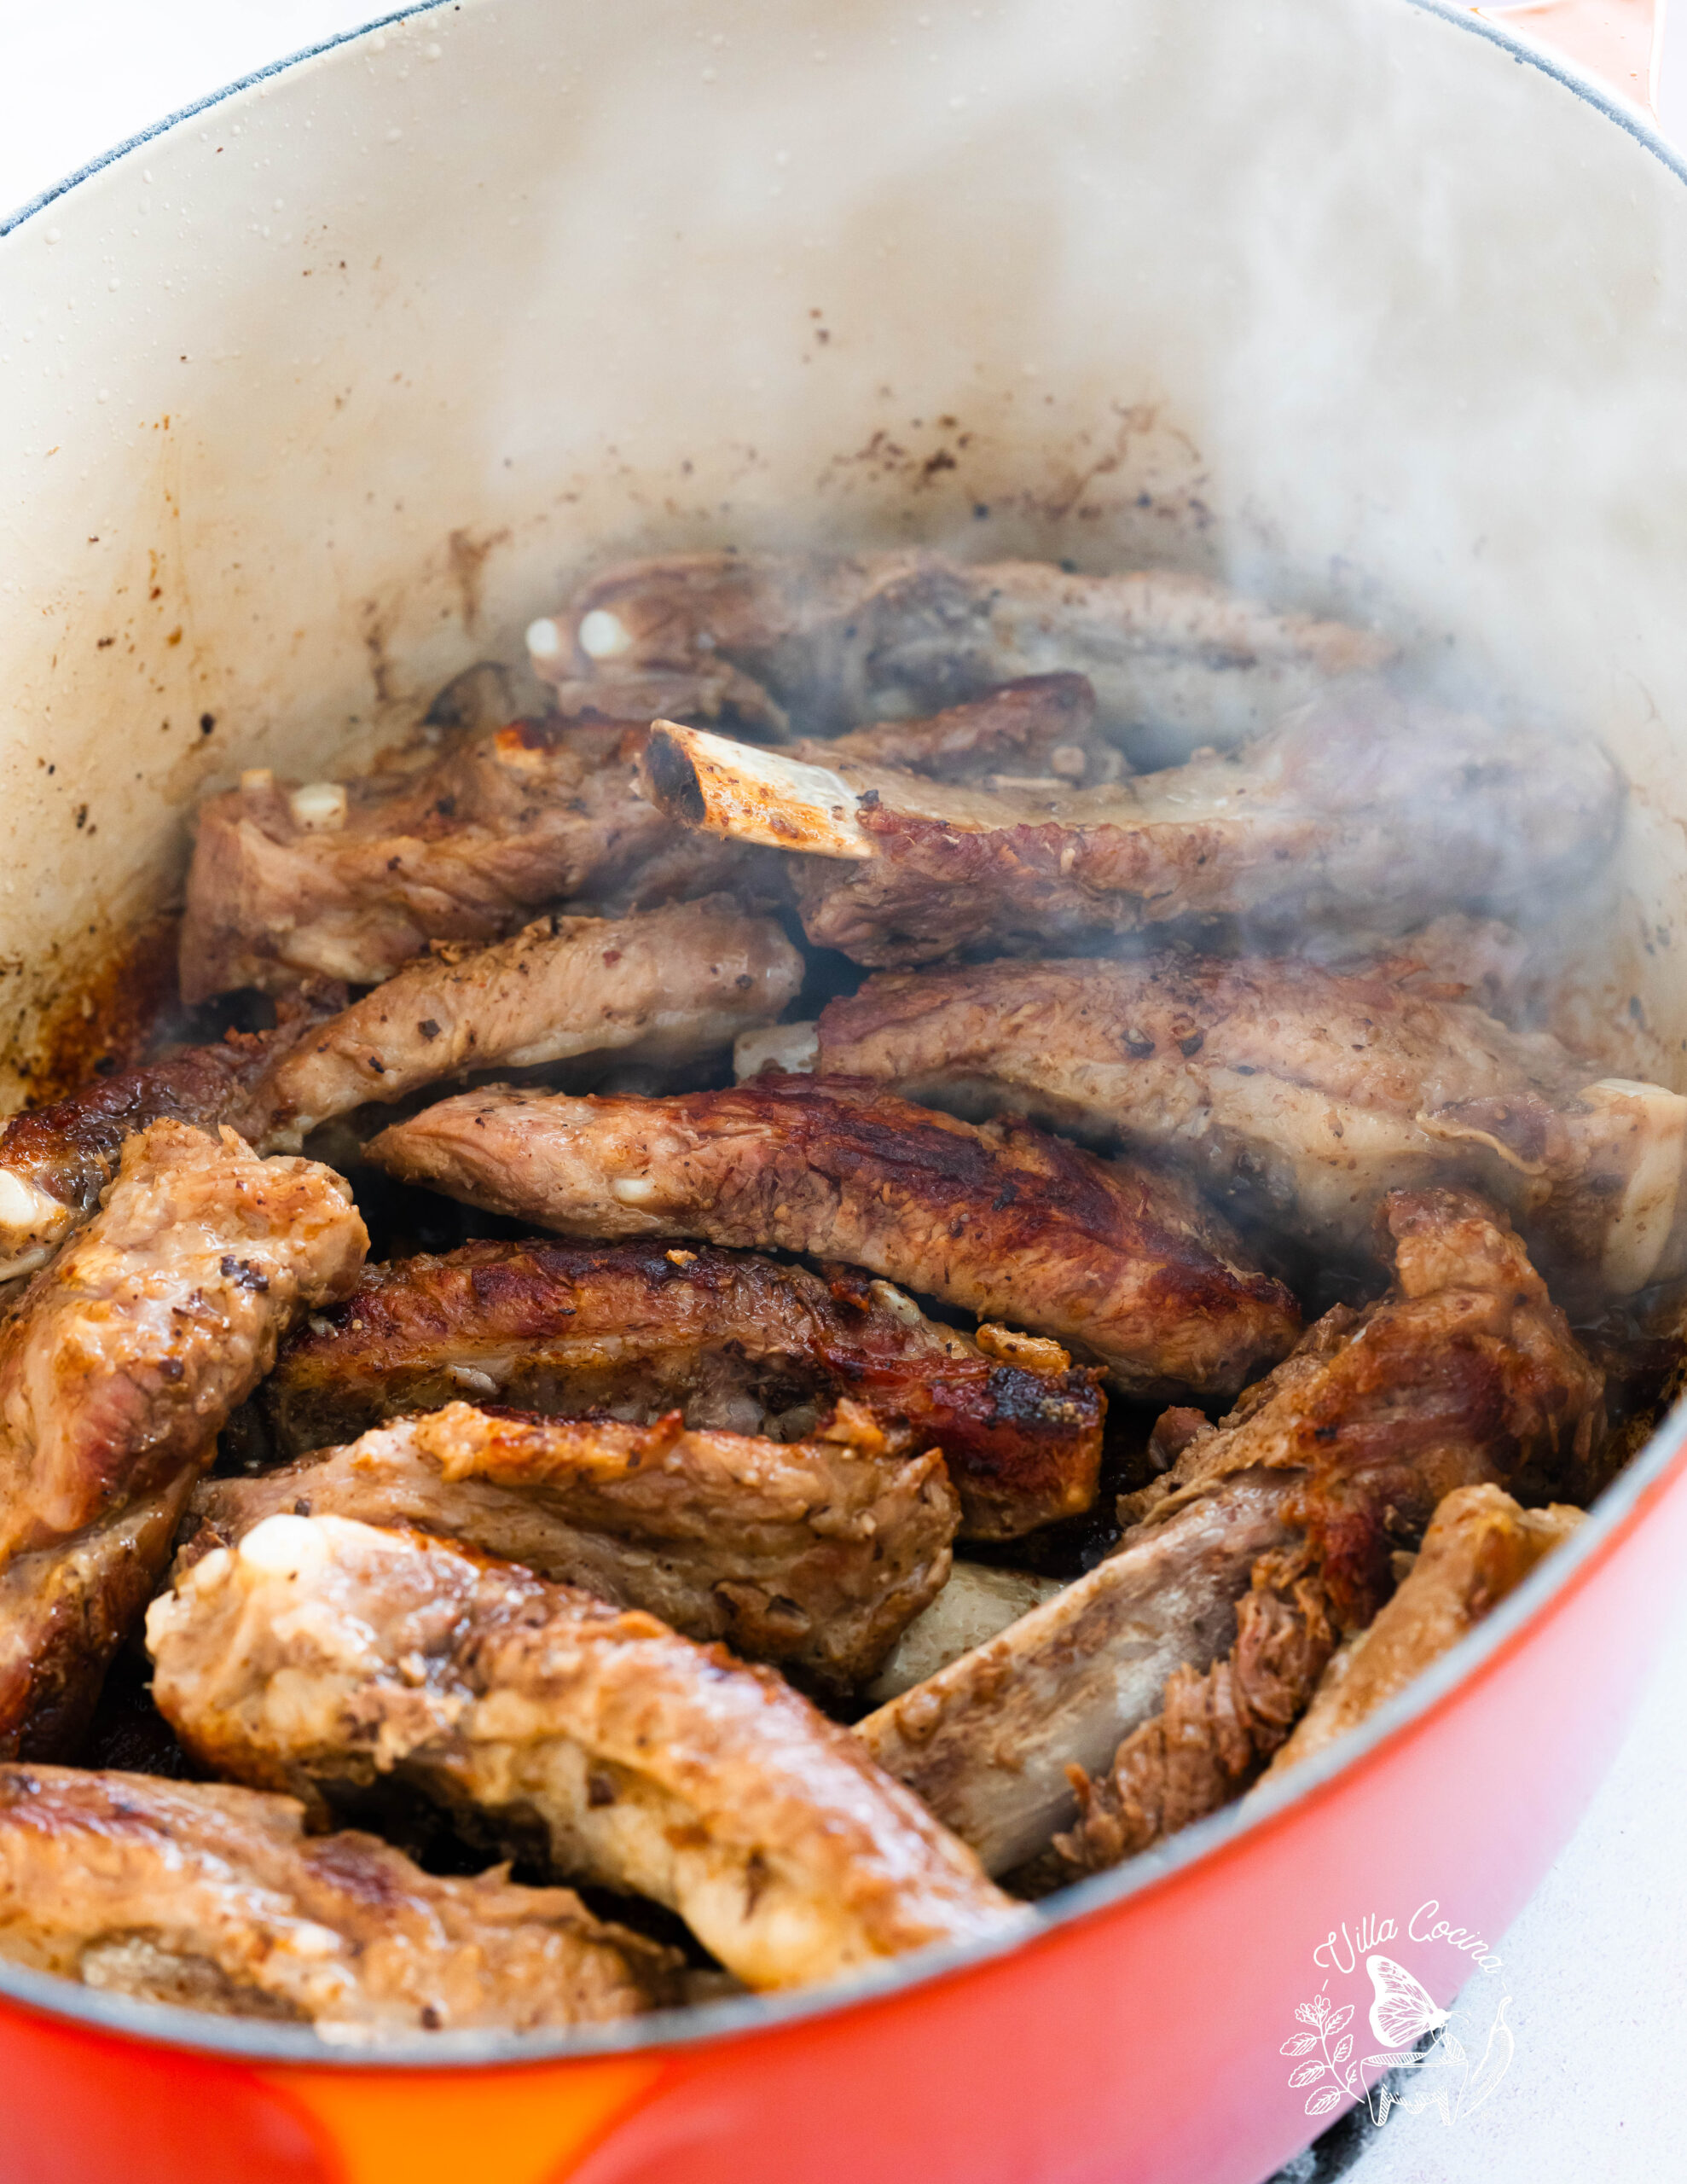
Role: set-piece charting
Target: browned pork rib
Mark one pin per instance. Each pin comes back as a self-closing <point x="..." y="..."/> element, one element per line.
<point x="215" y="1899"/>
<point x="816" y="1552"/>
<point x="1040" y="729"/>
<point x="1301" y="1095"/>
<point x="657" y="986"/>
<point x="55" y="1161"/>
<point x="666" y="985"/>
<point x="734" y="1341"/>
<point x="66" y="1608"/>
<point x="348" y="880"/>
<point x="321" y="1651"/>
<point x="1467" y="1373"/>
<point x="116" y="1369"/>
<point x="1107" y="1256"/>
<point x="1175" y="660"/>
<point x="1362" y="809"/>
<point x="1480" y="1547"/>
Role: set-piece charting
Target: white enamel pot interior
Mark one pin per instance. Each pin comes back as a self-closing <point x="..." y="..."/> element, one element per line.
<point x="327" y="388"/>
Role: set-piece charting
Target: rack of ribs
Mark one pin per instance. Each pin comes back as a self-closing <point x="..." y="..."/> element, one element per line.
<point x="816" y="1553"/>
<point x="1299" y="1094"/>
<point x="1112" y="1259"/>
<point x="321" y="1651"/>
<point x="117" y="1368"/>
<point x="1361" y="808"/>
<point x="215" y="1898"/>
<point x="733" y="1340"/>
<point x="1165" y="1677"/>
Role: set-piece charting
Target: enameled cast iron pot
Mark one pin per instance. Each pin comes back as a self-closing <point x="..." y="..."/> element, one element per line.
<point x="327" y="386"/>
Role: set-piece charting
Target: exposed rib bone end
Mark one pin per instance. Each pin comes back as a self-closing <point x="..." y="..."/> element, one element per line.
<point x="33" y="1222"/>
<point x="1639" y="1132"/>
<point x="754" y="796"/>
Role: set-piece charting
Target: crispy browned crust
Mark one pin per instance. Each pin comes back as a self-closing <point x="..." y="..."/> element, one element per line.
<point x="70" y="1149"/>
<point x="214" y="1898"/>
<point x="464" y="847"/>
<point x="670" y="984"/>
<point x="727" y="1338"/>
<point x="1111" y="1258"/>
<point x="932" y="888"/>
<point x="1367" y="1035"/>
<point x="116" y="1369"/>
<point x="651" y="1764"/>
<point x="817" y="1553"/>
<point x="1299" y="1094"/>
<point x="1467" y="1374"/>
<point x="1214" y="1731"/>
<point x="65" y="1609"/>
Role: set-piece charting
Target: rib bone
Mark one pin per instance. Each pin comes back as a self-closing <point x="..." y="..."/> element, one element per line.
<point x="321" y="1650"/>
<point x="1363" y="808"/>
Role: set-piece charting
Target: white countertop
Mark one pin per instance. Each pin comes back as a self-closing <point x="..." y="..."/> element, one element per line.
<point x="1597" y="1963"/>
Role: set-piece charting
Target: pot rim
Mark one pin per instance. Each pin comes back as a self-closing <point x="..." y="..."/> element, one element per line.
<point x="1412" y="1713"/>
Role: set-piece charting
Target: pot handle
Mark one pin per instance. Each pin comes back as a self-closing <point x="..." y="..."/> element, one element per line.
<point x="1620" y="41"/>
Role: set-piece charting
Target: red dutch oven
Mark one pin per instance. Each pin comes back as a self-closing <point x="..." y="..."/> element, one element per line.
<point x="333" y="383"/>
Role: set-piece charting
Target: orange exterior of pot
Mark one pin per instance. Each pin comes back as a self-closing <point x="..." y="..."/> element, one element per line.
<point x="1056" y="2062"/>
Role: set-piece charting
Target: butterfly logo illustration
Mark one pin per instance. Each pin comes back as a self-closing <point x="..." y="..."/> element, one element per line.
<point x="1402" y="2011"/>
<point x="1424" y="2061"/>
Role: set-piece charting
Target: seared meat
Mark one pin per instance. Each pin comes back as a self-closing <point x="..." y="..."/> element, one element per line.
<point x="215" y="1899"/>
<point x="1361" y="808"/>
<point x="323" y="1651"/>
<point x="1175" y="660"/>
<point x="1480" y="1545"/>
<point x="55" y="1161"/>
<point x="816" y="1552"/>
<point x="714" y="696"/>
<point x="1302" y="1095"/>
<point x="1041" y="728"/>
<point x="65" y="1609"/>
<point x="1109" y="1258"/>
<point x="733" y="1341"/>
<point x="661" y="984"/>
<point x="665" y="985"/>
<point x="1206" y="1743"/>
<point x="1467" y="1373"/>
<point x="116" y="1370"/>
<point x="348" y="880"/>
